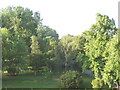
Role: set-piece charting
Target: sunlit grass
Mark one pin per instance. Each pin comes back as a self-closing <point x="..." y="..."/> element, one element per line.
<point x="28" y="80"/>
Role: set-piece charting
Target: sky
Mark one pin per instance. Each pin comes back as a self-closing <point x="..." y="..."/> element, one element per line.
<point x="68" y="16"/>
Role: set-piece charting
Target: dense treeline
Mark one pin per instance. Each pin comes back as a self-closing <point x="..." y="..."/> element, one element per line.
<point x="27" y="44"/>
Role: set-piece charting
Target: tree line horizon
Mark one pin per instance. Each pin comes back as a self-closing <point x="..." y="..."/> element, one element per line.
<point x="27" y="44"/>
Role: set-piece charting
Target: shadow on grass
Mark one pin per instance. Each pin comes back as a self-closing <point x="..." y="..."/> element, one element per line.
<point x="28" y="80"/>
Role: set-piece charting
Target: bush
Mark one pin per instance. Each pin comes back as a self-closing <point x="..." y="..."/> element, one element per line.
<point x="97" y="83"/>
<point x="71" y="79"/>
<point x="13" y="71"/>
<point x="45" y="69"/>
<point x="46" y="72"/>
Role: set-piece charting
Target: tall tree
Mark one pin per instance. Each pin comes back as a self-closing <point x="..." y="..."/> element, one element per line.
<point x="66" y="48"/>
<point x="36" y="59"/>
<point x="48" y="40"/>
<point x="15" y="60"/>
<point x="71" y="46"/>
<point x="21" y="24"/>
<point x="19" y="20"/>
<point x="111" y="73"/>
<point x="98" y="36"/>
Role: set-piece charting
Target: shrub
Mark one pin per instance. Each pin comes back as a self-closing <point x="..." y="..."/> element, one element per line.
<point x="97" y="83"/>
<point x="45" y="69"/>
<point x="71" y="79"/>
<point x="13" y="71"/>
<point x="46" y="72"/>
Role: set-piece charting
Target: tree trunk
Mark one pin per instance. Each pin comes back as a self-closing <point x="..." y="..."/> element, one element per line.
<point x="35" y="73"/>
<point x="118" y="85"/>
<point x="66" y="61"/>
<point x="50" y="68"/>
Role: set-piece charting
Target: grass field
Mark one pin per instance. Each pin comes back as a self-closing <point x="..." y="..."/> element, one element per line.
<point x="28" y="80"/>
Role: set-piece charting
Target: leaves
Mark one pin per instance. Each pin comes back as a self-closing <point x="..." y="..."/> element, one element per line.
<point x="101" y="51"/>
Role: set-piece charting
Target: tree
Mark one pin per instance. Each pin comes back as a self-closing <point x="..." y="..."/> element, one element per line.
<point x="51" y="53"/>
<point x="60" y="62"/>
<point x="81" y="57"/>
<point x="15" y="60"/>
<point x="20" y="24"/>
<point x="71" y="46"/>
<point x="34" y="46"/>
<point x="48" y="40"/>
<point x="66" y="48"/>
<point x="83" y="61"/>
<point x="111" y="73"/>
<point x="36" y="59"/>
<point x="97" y="38"/>
<point x="19" y="20"/>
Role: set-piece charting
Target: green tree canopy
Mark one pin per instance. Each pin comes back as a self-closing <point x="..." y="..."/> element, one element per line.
<point x="13" y="61"/>
<point x="97" y="38"/>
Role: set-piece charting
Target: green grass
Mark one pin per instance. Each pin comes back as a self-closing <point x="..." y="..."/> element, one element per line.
<point x="28" y="80"/>
<point x="87" y="81"/>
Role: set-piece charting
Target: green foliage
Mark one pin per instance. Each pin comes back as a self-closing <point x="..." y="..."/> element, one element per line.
<point x="18" y="25"/>
<point x="70" y="47"/>
<point x="13" y="70"/>
<point x="111" y="73"/>
<point x="97" y="83"/>
<point x="48" y="41"/>
<point x="45" y="71"/>
<point x="17" y="49"/>
<point x="34" y="45"/>
<point x="19" y="19"/>
<point x="97" y="38"/>
<point x="25" y="41"/>
<point x="71" y="79"/>
<point x="81" y="57"/>
<point x="36" y="57"/>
